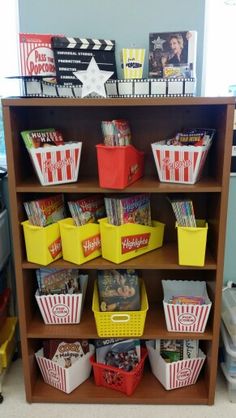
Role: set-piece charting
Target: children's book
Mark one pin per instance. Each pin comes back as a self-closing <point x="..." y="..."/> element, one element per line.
<point x="119" y="290"/>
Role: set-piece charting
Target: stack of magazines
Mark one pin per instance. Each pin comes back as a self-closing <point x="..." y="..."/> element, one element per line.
<point x="43" y="212"/>
<point x="129" y="209"/>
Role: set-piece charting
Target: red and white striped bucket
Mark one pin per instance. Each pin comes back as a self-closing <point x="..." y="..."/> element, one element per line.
<point x="61" y="378"/>
<point x="186" y="318"/>
<point x="179" y="164"/>
<point x="177" y="374"/>
<point x="62" y="309"/>
<point x="56" y="165"/>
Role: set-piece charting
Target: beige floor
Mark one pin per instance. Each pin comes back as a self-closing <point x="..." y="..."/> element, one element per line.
<point x="14" y="405"/>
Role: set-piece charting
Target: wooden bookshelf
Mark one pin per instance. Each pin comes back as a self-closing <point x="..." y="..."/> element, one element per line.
<point x="151" y="120"/>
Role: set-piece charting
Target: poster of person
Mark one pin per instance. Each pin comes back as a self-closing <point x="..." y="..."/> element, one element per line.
<point x="172" y="54"/>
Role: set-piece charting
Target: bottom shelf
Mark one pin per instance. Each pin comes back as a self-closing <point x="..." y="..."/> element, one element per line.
<point x="149" y="391"/>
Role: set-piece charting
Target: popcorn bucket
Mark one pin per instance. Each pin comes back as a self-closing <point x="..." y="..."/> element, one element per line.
<point x="57" y="165"/>
<point x="179" y="164"/>
<point x="132" y="62"/>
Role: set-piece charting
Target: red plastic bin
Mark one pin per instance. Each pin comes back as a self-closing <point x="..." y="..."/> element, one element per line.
<point x="118" y="379"/>
<point x="118" y="167"/>
<point x="4" y="299"/>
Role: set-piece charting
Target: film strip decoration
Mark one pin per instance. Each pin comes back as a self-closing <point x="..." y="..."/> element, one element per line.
<point x="74" y="54"/>
<point x="36" y="87"/>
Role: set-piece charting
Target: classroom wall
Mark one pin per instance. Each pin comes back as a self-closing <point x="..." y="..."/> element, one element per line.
<point x="128" y="22"/>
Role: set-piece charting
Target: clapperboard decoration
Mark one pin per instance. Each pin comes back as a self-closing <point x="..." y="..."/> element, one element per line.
<point x="74" y="54"/>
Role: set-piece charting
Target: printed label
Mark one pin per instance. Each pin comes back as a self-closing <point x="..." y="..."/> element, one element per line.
<point x="55" y="248"/>
<point x="183" y="374"/>
<point x="40" y="61"/>
<point x="91" y="244"/>
<point x="53" y="376"/>
<point x="187" y="319"/>
<point x="173" y="165"/>
<point x="57" y="165"/>
<point x="134" y="242"/>
<point x="60" y="310"/>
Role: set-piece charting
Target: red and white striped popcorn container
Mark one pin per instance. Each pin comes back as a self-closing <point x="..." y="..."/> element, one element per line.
<point x="178" y="373"/>
<point x="65" y="379"/>
<point x="57" y="165"/>
<point x="185" y="317"/>
<point x="179" y="164"/>
<point x="64" y="308"/>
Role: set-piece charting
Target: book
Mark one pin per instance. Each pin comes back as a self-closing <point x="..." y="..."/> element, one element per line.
<point x="172" y="54"/>
<point x="43" y="212"/>
<point x="42" y="137"/>
<point x="123" y="354"/>
<point x="58" y="281"/>
<point x="119" y="290"/>
<point x="129" y="209"/>
<point x="88" y="209"/>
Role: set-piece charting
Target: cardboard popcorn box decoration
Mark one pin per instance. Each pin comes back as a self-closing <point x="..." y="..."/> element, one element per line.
<point x="43" y="244"/>
<point x="80" y="243"/>
<point x="132" y="61"/>
<point x="186" y="317"/>
<point x="61" y="378"/>
<point x="178" y="373"/>
<point x="121" y="243"/>
<point x="63" y="309"/>
<point x="57" y="165"/>
<point x="74" y="54"/>
<point x="36" y="55"/>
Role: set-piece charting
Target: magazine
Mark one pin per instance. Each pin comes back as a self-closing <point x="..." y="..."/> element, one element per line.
<point x="43" y="212"/>
<point x="129" y="209"/>
<point x="172" y="54"/>
<point x="86" y="210"/>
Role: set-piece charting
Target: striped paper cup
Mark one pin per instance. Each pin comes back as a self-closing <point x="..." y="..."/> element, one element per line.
<point x="57" y="165"/>
<point x="60" y="377"/>
<point x="179" y="164"/>
<point x="62" y="309"/>
<point x="177" y="374"/>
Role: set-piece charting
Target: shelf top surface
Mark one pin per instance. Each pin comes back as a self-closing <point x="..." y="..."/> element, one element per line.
<point x="147" y="184"/>
<point x="153" y="101"/>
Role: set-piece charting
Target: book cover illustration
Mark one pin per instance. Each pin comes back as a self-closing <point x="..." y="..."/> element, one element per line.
<point x="172" y="54"/>
<point x="119" y="290"/>
<point x="41" y="138"/>
<point x="136" y="209"/>
<point x="86" y="210"/>
<point x="45" y="211"/>
<point x="54" y="281"/>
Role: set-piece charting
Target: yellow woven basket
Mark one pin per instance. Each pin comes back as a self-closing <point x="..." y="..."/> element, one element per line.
<point x="120" y="324"/>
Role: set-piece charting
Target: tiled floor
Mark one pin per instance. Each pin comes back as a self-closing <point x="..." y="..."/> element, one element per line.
<point x="14" y="405"/>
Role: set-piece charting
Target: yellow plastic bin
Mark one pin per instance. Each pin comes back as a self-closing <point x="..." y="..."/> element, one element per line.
<point x="43" y="244"/>
<point x="121" y="243"/>
<point x="7" y="341"/>
<point x="79" y="243"/>
<point x="192" y="244"/>
<point x="123" y="323"/>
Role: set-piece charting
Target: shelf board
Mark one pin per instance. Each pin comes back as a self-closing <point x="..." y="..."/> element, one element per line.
<point x="147" y="184"/>
<point x="149" y="391"/>
<point x="117" y="102"/>
<point x="163" y="258"/>
<point x="155" y="327"/>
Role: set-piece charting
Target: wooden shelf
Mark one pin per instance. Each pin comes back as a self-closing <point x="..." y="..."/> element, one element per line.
<point x="151" y="119"/>
<point x="162" y="258"/>
<point x="155" y="327"/>
<point x="147" y="184"/>
<point x="149" y="391"/>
